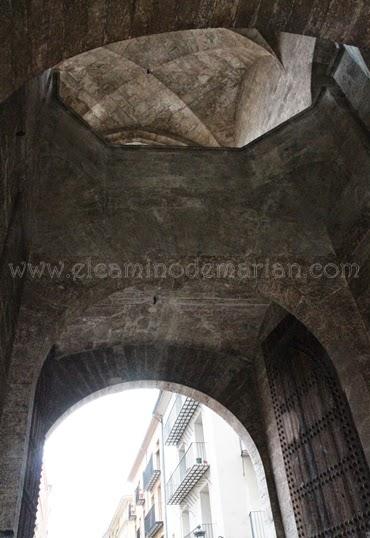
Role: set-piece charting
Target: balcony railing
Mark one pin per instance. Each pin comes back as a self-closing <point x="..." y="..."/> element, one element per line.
<point x="180" y="415"/>
<point x="131" y="512"/>
<point x="139" y="496"/>
<point x="151" y="525"/>
<point x="256" y="521"/>
<point x="190" y="469"/>
<point x="201" y="531"/>
<point x="150" y="475"/>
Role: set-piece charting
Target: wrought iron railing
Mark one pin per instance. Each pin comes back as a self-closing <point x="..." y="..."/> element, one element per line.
<point x="131" y="512"/>
<point x="139" y="496"/>
<point x="150" y="475"/>
<point x="202" y="531"/>
<point x="179" y="417"/>
<point x="191" y="467"/>
<point x="257" y="526"/>
<point x="151" y="524"/>
<point x="175" y="410"/>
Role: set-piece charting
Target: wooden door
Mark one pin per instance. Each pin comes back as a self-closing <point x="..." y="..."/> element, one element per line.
<point x="327" y="473"/>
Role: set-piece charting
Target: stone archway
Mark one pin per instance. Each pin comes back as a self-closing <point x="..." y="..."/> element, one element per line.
<point x="222" y="383"/>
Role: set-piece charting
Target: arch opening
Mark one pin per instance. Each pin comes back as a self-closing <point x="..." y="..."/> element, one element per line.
<point x="178" y="416"/>
<point x="230" y="382"/>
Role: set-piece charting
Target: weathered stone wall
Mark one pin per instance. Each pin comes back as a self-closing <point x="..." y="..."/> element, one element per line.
<point x="11" y="240"/>
<point x="353" y="77"/>
<point x="351" y="230"/>
<point x="12" y="155"/>
<point x="10" y="295"/>
<point x="349" y="217"/>
<point x="188" y="198"/>
<point x="20" y="146"/>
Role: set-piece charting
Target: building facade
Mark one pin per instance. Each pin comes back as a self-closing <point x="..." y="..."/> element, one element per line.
<point x="147" y="478"/>
<point x="123" y="522"/>
<point x="43" y="508"/>
<point x="192" y="477"/>
<point x="211" y="485"/>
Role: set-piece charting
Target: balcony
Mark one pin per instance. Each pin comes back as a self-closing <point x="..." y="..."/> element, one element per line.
<point x="189" y="471"/>
<point x="201" y="531"/>
<point x="256" y="521"/>
<point x="150" y="475"/>
<point x="131" y="512"/>
<point x="139" y="496"/>
<point x="181" y="412"/>
<point x="151" y="525"/>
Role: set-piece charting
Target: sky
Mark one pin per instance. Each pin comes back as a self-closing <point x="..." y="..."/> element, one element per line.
<point x="88" y="457"/>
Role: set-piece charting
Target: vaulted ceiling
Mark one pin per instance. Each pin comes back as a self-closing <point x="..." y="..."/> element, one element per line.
<point x="213" y="87"/>
<point x="35" y="36"/>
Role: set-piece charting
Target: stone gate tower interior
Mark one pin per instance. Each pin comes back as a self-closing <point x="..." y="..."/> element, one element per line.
<point x="185" y="199"/>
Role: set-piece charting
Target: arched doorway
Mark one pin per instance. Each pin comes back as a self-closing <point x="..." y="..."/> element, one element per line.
<point x="132" y="445"/>
<point x="227" y="382"/>
<point x="222" y="383"/>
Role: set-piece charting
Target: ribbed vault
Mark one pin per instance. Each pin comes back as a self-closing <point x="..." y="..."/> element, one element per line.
<point x="38" y="35"/>
<point x="213" y="87"/>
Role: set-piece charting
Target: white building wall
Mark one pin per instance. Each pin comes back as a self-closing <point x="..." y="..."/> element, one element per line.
<point x="121" y="526"/>
<point x="233" y="485"/>
<point x="43" y="508"/>
<point x="156" y="495"/>
<point x="230" y="483"/>
<point x="171" y="460"/>
<point x="230" y="480"/>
